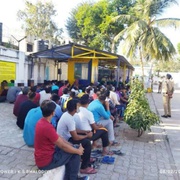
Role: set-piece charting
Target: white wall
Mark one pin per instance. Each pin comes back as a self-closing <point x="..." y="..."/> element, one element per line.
<point x="39" y="65"/>
<point x="11" y="55"/>
<point x="23" y="67"/>
<point x="64" y="71"/>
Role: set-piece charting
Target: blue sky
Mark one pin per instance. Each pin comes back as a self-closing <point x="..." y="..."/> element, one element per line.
<point x="12" y="26"/>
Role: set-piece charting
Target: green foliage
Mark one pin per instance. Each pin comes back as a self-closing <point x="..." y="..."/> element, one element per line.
<point x="138" y="114"/>
<point x="142" y="37"/>
<point x="143" y="33"/>
<point x="90" y="23"/>
<point x="178" y="48"/>
<point x="38" y="20"/>
<point x="170" y="66"/>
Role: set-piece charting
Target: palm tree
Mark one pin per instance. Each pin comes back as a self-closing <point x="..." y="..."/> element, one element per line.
<point x="142" y="36"/>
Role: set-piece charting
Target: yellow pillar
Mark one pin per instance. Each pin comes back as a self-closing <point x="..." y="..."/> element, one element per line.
<point x="71" y="71"/>
<point x="94" y="72"/>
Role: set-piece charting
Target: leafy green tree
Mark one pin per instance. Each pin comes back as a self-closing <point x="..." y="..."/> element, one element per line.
<point x="169" y="66"/>
<point x="72" y="28"/>
<point x="38" y="20"/>
<point x="91" y="23"/>
<point x="142" y="36"/>
<point x="138" y="114"/>
<point x="75" y="25"/>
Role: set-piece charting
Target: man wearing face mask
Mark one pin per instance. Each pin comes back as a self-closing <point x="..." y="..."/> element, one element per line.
<point x="67" y="129"/>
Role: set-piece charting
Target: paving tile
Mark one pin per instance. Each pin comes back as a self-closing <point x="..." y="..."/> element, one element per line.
<point x="145" y="157"/>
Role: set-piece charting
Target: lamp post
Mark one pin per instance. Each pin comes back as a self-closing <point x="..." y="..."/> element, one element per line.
<point x="19" y="40"/>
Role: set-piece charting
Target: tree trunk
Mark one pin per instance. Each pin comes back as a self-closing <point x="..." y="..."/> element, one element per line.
<point x="113" y="46"/>
<point x="142" y="65"/>
<point x="140" y="132"/>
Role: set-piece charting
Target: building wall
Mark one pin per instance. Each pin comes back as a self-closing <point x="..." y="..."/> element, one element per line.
<point x="43" y="69"/>
<point x="71" y="66"/>
<point x="19" y="69"/>
<point x="18" y="58"/>
<point x="64" y="71"/>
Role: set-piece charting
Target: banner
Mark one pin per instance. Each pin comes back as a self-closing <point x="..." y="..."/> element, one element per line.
<point x="7" y="71"/>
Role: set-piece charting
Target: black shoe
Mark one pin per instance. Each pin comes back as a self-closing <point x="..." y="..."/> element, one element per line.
<point x="118" y="152"/>
<point x="168" y="115"/>
<point x="164" y="116"/>
<point x="83" y="178"/>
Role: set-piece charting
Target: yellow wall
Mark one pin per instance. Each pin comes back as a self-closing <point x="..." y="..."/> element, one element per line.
<point x="7" y="71"/>
<point x="71" y="63"/>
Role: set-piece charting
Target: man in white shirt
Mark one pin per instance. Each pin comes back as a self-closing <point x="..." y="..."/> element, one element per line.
<point x="116" y="101"/>
<point x="67" y="129"/>
<point x="85" y="121"/>
<point x="45" y="94"/>
<point x="113" y="96"/>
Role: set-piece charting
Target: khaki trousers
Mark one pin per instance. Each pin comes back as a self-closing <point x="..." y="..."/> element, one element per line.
<point x="166" y="104"/>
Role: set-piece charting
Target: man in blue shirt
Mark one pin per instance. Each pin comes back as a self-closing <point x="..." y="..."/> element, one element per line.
<point x="58" y="112"/>
<point x="103" y="116"/>
<point x="33" y="116"/>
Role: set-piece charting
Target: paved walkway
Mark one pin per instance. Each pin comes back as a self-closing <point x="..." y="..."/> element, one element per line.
<point x="153" y="156"/>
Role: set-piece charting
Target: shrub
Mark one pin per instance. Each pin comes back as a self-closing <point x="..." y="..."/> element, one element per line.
<point x="138" y="114"/>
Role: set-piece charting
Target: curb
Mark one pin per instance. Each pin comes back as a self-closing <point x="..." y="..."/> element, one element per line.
<point x="167" y="144"/>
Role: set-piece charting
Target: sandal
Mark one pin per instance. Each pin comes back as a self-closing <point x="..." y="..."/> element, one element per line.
<point x="97" y="151"/>
<point x="95" y="166"/>
<point x="92" y="159"/>
<point x="110" y="153"/>
<point x="95" y="155"/>
<point x="114" y="143"/>
<point x="108" y="160"/>
<point x="97" y="146"/>
<point x="88" y="170"/>
<point x="118" y="152"/>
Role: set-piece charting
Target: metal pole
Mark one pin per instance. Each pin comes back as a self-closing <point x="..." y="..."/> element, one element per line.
<point x="18" y="41"/>
<point x="118" y="71"/>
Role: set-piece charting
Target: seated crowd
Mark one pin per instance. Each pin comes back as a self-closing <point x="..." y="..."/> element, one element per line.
<point x="63" y="122"/>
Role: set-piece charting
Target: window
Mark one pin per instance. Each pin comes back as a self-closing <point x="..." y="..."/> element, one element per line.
<point x="29" y="48"/>
<point x="81" y="71"/>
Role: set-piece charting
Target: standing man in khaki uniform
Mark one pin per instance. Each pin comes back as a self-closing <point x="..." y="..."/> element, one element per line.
<point x="167" y="90"/>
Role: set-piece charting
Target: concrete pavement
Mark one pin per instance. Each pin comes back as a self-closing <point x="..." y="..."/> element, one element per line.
<point x="171" y="126"/>
<point x="153" y="156"/>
